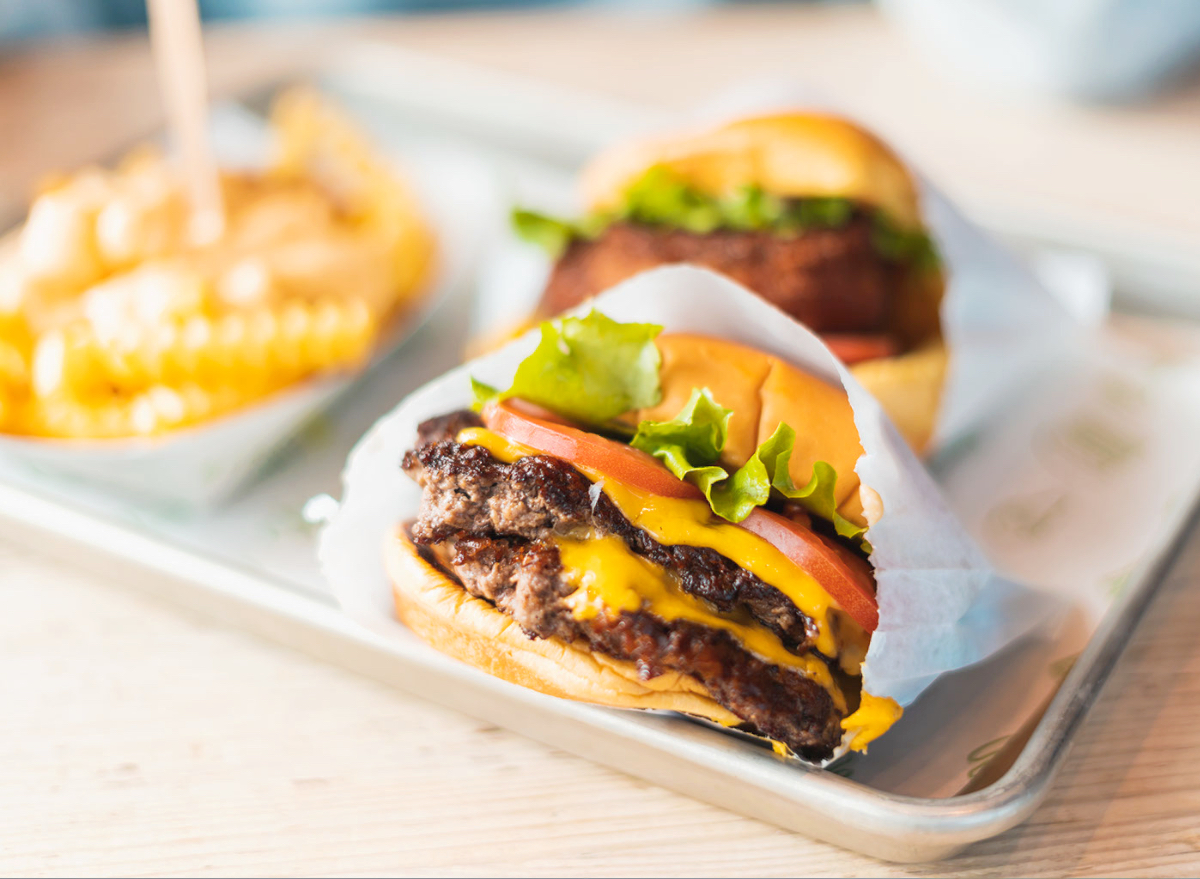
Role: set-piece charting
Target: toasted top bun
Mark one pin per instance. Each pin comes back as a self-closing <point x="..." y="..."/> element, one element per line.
<point x="447" y="617"/>
<point x="763" y="392"/>
<point x="791" y="155"/>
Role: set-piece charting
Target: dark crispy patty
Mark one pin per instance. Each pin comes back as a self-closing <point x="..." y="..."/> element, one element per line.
<point x="491" y="523"/>
<point x="524" y="579"/>
<point x="833" y="280"/>
<point x="467" y="491"/>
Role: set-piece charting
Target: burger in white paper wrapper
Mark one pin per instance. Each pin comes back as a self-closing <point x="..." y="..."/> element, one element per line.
<point x="679" y="500"/>
<point x="821" y="218"/>
<point x="134" y="353"/>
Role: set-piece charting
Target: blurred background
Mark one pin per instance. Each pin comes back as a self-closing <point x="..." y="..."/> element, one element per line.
<point x="1083" y="49"/>
<point x="1068" y="114"/>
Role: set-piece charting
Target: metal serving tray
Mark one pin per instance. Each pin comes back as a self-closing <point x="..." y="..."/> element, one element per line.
<point x="250" y="563"/>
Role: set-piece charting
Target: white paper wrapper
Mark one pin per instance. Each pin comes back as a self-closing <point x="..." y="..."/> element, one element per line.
<point x="203" y="464"/>
<point x="1070" y="493"/>
<point x="941" y="605"/>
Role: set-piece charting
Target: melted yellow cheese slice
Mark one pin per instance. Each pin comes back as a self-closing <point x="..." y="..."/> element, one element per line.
<point x="874" y="717"/>
<point x="676" y="522"/>
<point x="609" y="578"/>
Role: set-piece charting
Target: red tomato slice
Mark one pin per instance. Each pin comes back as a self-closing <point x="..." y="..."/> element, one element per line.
<point x="515" y="420"/>
<point x="853" y="348"/>
<point x="845" y="576"/>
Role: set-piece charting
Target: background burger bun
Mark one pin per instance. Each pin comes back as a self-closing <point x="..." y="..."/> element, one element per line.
<point x="792" y="155"/>
<point x="797" y="155"/>
<point x="909" y="388"/>
<point x="444" y="615"/>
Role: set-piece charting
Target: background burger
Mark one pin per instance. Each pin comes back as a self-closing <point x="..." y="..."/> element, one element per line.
<point x="811" y="212"/>
<point x="652" y="521"/>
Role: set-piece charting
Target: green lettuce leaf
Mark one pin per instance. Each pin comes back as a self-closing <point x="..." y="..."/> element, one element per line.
<point x="697" y="433"/>
<point x="690" y="443"/>
<point x="589" y="369"/>
<point x="659" y="198"/>
<point x="903" y="245"/>
<point x="751" y="209"/>
<point x="751" y="484"/>
<point x="690" y="446"/>
<point x="550" y="233"/>
<point x="819" y="495"/>
<point x="481" y="394"/>
<point x="817" y="213"/>
<point x="553" y="234"/>
<point x="736" y="497"/>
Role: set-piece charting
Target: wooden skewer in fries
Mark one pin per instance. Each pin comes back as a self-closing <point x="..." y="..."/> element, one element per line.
<point x="179" y="56"/>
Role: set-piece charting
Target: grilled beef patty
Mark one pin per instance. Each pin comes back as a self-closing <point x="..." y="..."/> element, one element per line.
<point x="524" y="579"/>
<point x="491" y="524"/>
<point x="834" y="280"/>
<point x="467" y="491"/>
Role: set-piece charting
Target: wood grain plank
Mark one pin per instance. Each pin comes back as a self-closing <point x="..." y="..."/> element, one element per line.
<point x="140" y="740"/>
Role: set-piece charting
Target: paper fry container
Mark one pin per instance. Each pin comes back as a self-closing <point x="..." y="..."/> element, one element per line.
<point x="941" y="607"/>
<point x="201" y="464"/>
<point x="195" y="465"/>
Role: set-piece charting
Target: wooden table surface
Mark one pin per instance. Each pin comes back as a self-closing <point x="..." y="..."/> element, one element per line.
<point x="137" y="739"/>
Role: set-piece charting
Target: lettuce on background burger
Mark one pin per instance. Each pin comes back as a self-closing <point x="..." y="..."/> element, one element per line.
<point x="649" y="520"/>
<point x="811" y="212"/>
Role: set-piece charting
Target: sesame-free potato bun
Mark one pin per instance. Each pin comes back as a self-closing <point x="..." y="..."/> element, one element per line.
<point x="810" y="211"/>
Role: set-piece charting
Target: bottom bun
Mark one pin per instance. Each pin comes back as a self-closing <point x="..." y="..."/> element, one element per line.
<point x="909" y="388"/>
<point x="447" y="617"/>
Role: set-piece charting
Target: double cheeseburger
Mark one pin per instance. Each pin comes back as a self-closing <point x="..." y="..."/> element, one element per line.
<point x="811" y="212"/>
<point x="690" y="537"/>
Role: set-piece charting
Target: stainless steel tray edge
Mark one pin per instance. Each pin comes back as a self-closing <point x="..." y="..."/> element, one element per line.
<point x="672" y="752"/>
